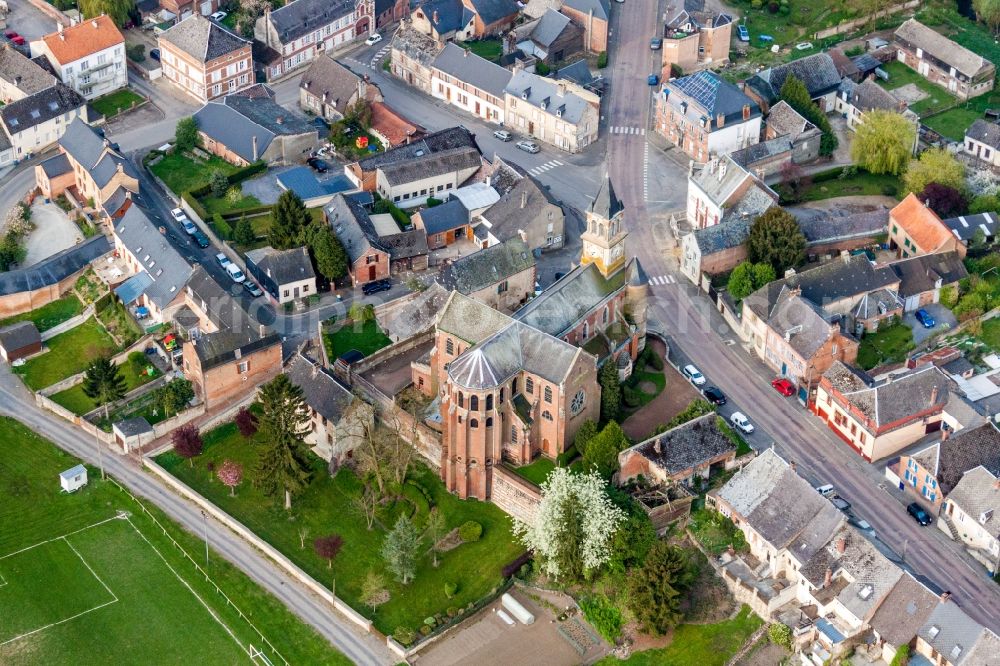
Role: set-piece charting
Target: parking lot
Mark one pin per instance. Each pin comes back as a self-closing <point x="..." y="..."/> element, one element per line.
<point x="943" y="320"/>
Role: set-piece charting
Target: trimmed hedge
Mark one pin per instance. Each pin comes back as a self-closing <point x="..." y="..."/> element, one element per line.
<point x="252" y="211"/>
<point x="235" y="177"/>
<point x="515" y="565"/>
<point x="470" y="530"/>
<point x="222" y="227"/>
<point x="196" y="206"/>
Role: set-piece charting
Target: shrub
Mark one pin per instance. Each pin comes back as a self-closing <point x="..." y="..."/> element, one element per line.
<point x="470" y="531"/>
<point x="516" y="564"/>
<point x="631" y="397"/>
<point x="195" y="205"/>
<point x="654" y="360"/>
<point x="542" y="69"/>
<point x="781" y="635"/>
<point x="450" y="589"/>
<point x="222" y="227"/>
<point x="773" y="7"/>
<point x="676" y="71"/>
<point x="218" y="183"/>
<point x="452" y="611"/>
<point x="430" y="621"/>
<point x="432" y="201"/>
<point x="425" y="630"/>
<point x="404" y="635"/>
<point x="902" y="657"/>
<point x="604" y="616"/>
<point x="136" y="52"/>
<point x="602" y="60"/>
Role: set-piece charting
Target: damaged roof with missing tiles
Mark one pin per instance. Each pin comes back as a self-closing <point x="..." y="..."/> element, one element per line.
<point x="688" y="446"/>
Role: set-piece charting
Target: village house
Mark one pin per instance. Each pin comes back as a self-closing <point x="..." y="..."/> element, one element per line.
<point x="88" y="167"/>
<point x="551" y="39"/>
<point x="327" y="89"/>
<point x="352" y="223"/>
<point x="182" y="9"/>
<point x="705" y="116"/>
<point x="388" y="12"/>
<point x="783" y="120"/>
<point x="830" y="233"/>
<point x="594" y="16"/>
<point x="982" y="140"/>
<point x="204" y="60"/>
<point x="501" y="276"/>
<point x="817" y="72"/>
<point x="243" y="130"/>
<point x="949" y="637"/>
<point x="548" y="111"/>
<point x="445" y="224"/>
<point x="901" y="615"/>
<point x="286" y="275"/>
<point x="391" y="128"/>
<point x="226" y="354"/>
<point x="922" y="278"/>
<point x="938" y="59"/>
<point x="915" y="229"/>
<point x="693" y="40"/>
<point x="692" y="449"/>
<point x="89" y="57"/>
<point x="294" y="34"/>
<point x="338" y="420"/>
<point x="867" y="96"/>
<point x="473" y="84"/>
<point x="412" y="56"/>
<point x="968" y="227"/>
<point x="971" y="513"/>
<point x="463" y="20"/>
<point x="36" y="109"/>
<point x="524" y="210"/>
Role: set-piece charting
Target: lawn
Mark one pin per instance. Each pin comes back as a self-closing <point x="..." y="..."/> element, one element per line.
<point x="144" y="406"/>
<point x="84" y="584"/>
<point x="116" y="102"/>
<point x="859" y="183"/>
<point x="537" y="471"/>
<point x="490" y="49"/>
<point x="900" y="75"/>
<point x="182" y="174"/>
<point x="698" y="644"/>
<point x="367" y="339"/>
<point x="953" y="123"/>
<point x="69" y="353"/>
<point x="326" y="507"/>
<point x="224" y="206"/>
<point x="888" y="345"/>
<point x="262" y="223"/>
<point x="76" y="401"/>
<point x="647" y="384"/>
<point x="49" y="315"/>
<point x="991" y="334"/>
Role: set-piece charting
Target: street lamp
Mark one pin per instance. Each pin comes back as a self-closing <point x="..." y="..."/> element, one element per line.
<point x="100" y="456"/>
<point x="204" y="517"/>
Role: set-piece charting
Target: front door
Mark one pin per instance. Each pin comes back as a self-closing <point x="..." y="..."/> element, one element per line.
<point x="371" y="273"/>
<point x="531" y="128"/>
<point x="295" y="292"/>
<point x="477" y="108"/>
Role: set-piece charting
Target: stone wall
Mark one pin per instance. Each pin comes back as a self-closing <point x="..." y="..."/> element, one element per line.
<point x="516" y="496"/>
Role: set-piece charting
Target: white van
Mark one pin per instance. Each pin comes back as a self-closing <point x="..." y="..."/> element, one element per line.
<point x="825" y="489"/>
<point x="235" y="273"/>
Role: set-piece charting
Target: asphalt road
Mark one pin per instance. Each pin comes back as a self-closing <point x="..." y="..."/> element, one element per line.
<point x="700" y="334"/>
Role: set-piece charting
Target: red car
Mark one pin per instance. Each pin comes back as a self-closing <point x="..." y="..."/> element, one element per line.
<point x="14" y="37"/>
<point x="783" y="386"/>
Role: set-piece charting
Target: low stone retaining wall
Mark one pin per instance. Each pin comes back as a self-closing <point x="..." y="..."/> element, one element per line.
<point x="69" y="323"/>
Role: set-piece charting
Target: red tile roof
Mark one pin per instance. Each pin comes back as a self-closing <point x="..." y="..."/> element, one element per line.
<point x="392" y="126"/>
<point x="921" y="224"/>
<point x="84" y="38"/>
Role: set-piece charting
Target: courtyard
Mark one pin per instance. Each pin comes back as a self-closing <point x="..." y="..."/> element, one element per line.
<point x="54" y="232"/>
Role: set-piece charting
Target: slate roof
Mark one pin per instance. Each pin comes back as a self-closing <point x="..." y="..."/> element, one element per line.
<point x="575" y="294"/>
<point x="762" y="150"/>
<point x="719" y="237"/>
<point x="951" y="629"/>
<point x="133" y="427"/>
<point x="92" y="152"/>
<point x="405" y="244"/>
<point x="470" y="320"/>
<point x="965" y="450"/>
<point x="920" y="274"/>
<point x="235" y="120"/>
<point x="606" y="204"/>
<point x="283" y="266"/>
<point x="937" y="45"/>
<point x="892" y="401"/>
<point x="452" y="15"/>
<point x="303" y="181"/>
<point x="601" y="8"/>
<point x="920" y="223"/>
<point x="443" y="140"/>
<point x="469" y="68"/>
<point x="445" y="217"/>
<point x="818" y="72"/>
<point x="842" y="225"/>
<point x="19" y="335"/>
<point x="549" y="28"/>
<point x="513" y="349"/>
<point x="55" y="166"/>
<point x="542" y="92"/>
<point x="22" y="73"/>
<point x="506" y="217"/>
<point x="577" y="72"/>
<point x="415" y="316"/>
<point x="755" y="201"/>
<point x="353" y="226"/>
<point x="491" y="11"/>
<point x="452" y="160"/>
<point x="806" y="326"/>
<point x="686" y="446"/>
<point x="964" y="227"/>
<point x="326" y="75"/>
<point x="301" y="17"/>
<point x="903" y="611"/>
<point x="167" y="268"/>
<point x="713" y="97"/>
<point x="866" y="63"/>
<point x="202" y="39"/>
<point x="55" y="268"/>
<point x="320" y="389"/>
<point x="877" y="303"/>
<point x="80" y="40"/>
<point x="40" y="108"/>
<point x="870" y="96"/>
<point x="984" y="132"/>
<point x="488" y="266"/>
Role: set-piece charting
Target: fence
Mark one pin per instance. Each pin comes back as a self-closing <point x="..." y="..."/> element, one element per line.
<point x="200" y="570"/>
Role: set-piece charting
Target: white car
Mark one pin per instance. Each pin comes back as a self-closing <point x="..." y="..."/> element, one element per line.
<point x="235" y="273"/>
<point x="178" y="214"/>
<point x="218" y="16"/>
<point x="803" y="46"/>
<point x="694" y="375"/>
<point x="189" y="227"/>
<point x="375" y="38"/>
<point x="222" y="259"/>
<point x="503" y="135"/>
<point x="528" y="146"/>
<point x="740" y="421"/>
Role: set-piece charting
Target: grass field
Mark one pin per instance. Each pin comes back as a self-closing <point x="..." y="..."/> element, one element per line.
<point x="327" y="507"/>
<point x="90" y="578"/>
<point x="537" y="471"/>
<point x="888" y="345"/>
<point x="116" y="102"/>
<point x="76" y="401"/>
<point x="49" y="315"/>
<point x="937" y="97"/>
<point x="860" y="184"/>
<point x="181" y="173"/>
<point x="69" y="353"/>
<point x="367" y="339"/>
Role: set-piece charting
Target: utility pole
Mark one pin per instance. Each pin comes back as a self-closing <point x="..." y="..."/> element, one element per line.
<point x="204" y="517"/>
<point x="100" y="455"/>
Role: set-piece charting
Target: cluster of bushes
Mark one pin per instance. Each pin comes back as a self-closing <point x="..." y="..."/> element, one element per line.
<point x="17" y="226"/>
<point x="401" y="217"/>
<point x="136" y="52"/>
<point x="235" y="178"/>
<point x="603" y="615"/>
<point x="470" y="530"/>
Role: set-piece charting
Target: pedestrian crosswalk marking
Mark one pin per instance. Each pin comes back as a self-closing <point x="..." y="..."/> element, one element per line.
<point x="661" y="280"/>
<point x="636" y="131"/>
<point x="542" y="168"/>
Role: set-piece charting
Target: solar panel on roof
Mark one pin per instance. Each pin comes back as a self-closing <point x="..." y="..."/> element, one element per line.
<point x="702" y="87"/>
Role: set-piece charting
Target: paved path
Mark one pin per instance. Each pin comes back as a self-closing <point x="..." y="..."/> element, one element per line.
<point x="700" y="334"/>
<point x="361" y="648"/>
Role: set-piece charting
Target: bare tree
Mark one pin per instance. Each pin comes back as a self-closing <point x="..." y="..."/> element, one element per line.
<point x="303" y="533"/>
<point x="366" y="503"/>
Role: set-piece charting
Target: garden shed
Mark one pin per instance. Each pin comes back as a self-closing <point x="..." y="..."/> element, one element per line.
<point x="73" y="479"/>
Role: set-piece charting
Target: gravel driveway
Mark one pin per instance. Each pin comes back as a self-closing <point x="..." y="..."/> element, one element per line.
<point x="54" y="232"/>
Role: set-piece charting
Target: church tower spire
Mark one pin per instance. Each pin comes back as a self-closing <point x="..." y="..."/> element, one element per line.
<point x="604" y="239"/>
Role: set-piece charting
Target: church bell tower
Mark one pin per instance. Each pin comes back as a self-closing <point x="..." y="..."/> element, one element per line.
<point x="604" y="239"/>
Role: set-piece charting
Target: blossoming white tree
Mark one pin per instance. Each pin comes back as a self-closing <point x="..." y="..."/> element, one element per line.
<point x="574" y="524"/>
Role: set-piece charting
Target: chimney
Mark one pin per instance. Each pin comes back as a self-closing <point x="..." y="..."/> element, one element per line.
<point x="434" y="17"/>
<point x="945" y="596"/>
<point x="280" y="120"/>
<point x="842" y="545"/>
<point x="722" y="170"/>
<point x="262" y="330"/>
<point x="561" y="89"/>
<point x="94" y="23"/>
<point x="927" y="203"/>
<point x="828" y="578"/>
<point x="792" y="465"/>
<point x="845" y="255"/>
<point x="657" y="447"/>
<point x="945" y="433"/>
<point x="934" y="395"/>
<point x="690" y="168"/>
<point x="62" y="35"/>
<point x="324" y="96"/>
<point x="238" y="353"/>
<point x="253" y="140"/>
<point x="524" y="198"/>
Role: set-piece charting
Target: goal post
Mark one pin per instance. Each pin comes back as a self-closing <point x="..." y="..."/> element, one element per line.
<point x="256" y="655"/>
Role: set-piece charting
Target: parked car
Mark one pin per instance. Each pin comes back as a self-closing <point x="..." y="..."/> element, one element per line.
<point x="840" y="502"/>
<point x="744" y="33"/>
<point x="741" y="422"/>
<point x="528" y="146"/>
<point x="503" y="135"/>
<point x="693" y="375"/>
<point x="374" y="287"/>
<point x="656" y="44"/>
<point x="218" y="16"/>
<point x="765" y="38"/>
<point x="803" y="46"/>
<point x="253" y="289"/>
<point x="222" y="259"/>
<point x="189" y="227"/>
<point x="653" y="79"/>
<point x="235" y="273"/>
<point x="783" y="386"/>
<point x="714" y="395"/>
<point x="178" y="214"/>
<point x="154" y="54"/>
<point x="318" y="165"/>
<point x="825" y="490"/>
<point x="374" y="38"/>
<point x="919" y="514"/>
<point x="201" y="239"/>
<point x="925" y="318"/>
<point x="14" y="37"/>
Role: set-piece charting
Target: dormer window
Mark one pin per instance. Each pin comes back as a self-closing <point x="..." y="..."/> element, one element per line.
<point x="526" y="93"/>
<point x="545" y="103"/>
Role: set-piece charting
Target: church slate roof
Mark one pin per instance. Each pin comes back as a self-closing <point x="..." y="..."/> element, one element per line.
<point x="578" y="292"/>
<point x="606" y="203"/>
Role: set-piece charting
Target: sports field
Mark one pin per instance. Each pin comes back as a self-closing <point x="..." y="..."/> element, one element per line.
<point x="92" y="578"/>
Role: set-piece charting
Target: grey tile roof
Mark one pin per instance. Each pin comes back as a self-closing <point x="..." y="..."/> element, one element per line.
<point x="40" y="108"/>
<point x="606" y="203"/>
<point x="507" y="217"/>
<point x="55" y="268"/>
<point x="549" y="27"/>
<point x="19" y="335"/>
<point x="965" y="226"/>
<point x="202" y="39"/>
<point x="415" y="45"/>
<point x="469" y="68"/>
<point x="320" y="389"/>
<point x="577" y="72"/>
<point x="450" y="215"/>
<point x="301" y="17"/>
<point x="327" y="76"/>
<point x="868" y="574"/>
<point x="574" y="295"/>
<point x="984" y="132"/>
<point x="870" y="96"/>
<point x="806" y="327"/>
<point x="954" y="632"/>
<point x="893" y="401"/>
<point x="866" y="63"/>
<point x="405" y="244"/>
<point x="234" y="121"/>
<point x="920" y="274"/>
<point x="55" y="166"/>
<point x="83" y="143"/>
<point x="903" y="611"/>
<point x="687" y="446"/>
<point x="283" y="266"/>
<point x="488" y="266"/>
<point x="22" y="73"/>
<point x="470" y="320"/>
<point x="514" y="349"/>
<point x="937" y="45"/>
<point x="959" y="366"/>
<point x="786" y="121"/>
<point x="452" y="15"/>
<point x="965" y="450"/>
<point x="763" y="150"/>
<point x="719" y="237"/>
<point x="443" y="140"/>
<point x="842" y="225"/>
<point x="601" y="8"/>
<point x="137" y="425"/>
<point x="713" y="95"/>
<point x="416" y="316"/>
<point x="353" y="226"/>
<point x="167" y="268"/>
<point x="544" y="94"/>
<point x="439" y="163"/>
<point x="818" y="72"/>
<point x="491" y="11"/>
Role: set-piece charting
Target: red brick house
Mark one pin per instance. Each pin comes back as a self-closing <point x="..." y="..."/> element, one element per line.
<point x="679" y="455"/>
<point x="351" y="221"/>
